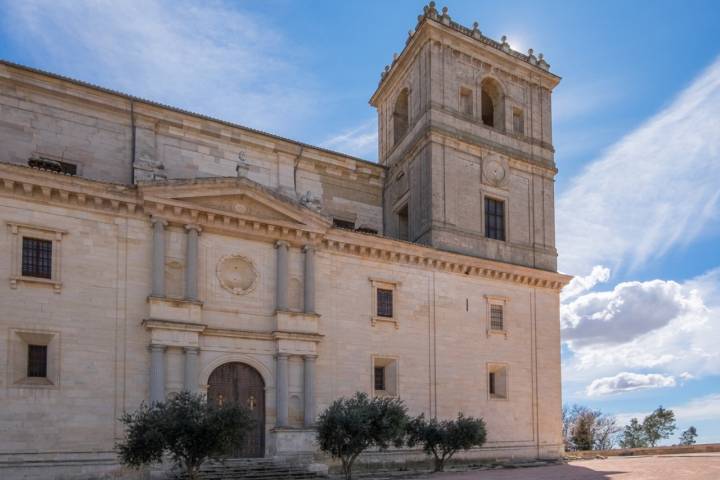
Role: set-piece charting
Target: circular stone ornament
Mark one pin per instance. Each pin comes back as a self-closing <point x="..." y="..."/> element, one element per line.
<point x="494" y="172"/>
<point x="237" y="274"/>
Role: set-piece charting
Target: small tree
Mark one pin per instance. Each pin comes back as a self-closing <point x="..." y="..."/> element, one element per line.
<point x="633" y="435"/>
<point x="586" y="429"/>
<point x="688" y="436"/>
<point x="605" y="432"/>
<point x="186" y="427"/>
<point x="444" y="438"/>
<point x="658" y="425"/>
<point x="349" y="426"/>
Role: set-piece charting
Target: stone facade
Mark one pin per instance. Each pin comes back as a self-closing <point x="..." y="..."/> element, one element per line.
<point x="184" y="243"/>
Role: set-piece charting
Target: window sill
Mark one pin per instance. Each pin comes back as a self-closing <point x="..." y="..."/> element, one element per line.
<point x="502" y="333"/>
<point x="57" y="285"/>
<point x="34" y="382"/>
<point x="384" y="394"/>
<point x="498" y="397"/>
<point x="374" y="320"/>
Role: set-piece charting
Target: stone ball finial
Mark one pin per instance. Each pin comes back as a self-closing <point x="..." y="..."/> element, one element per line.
<point x="395" y="57"/>
<point x="387" y="68"/>
<point x="541" y="56"/>
<point x="431" y="4"/>
<point x="475" y="25"/>
<point x="444" y="10"/>
<point x="503" y="39"/>
<point x="530" y="52"/>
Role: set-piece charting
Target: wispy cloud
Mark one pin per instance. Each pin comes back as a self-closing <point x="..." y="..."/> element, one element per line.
<point x="628" y="382"/>
<point x="580" y="284"/>
<point x="360" y="141"/>
<point x="210" y="57"/>
<point x="655" y="189"/>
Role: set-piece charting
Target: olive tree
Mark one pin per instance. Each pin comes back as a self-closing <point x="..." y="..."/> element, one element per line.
<point x="350" y="426"/>
<point x="443" y="438"/>
<point x="186" y="427"/>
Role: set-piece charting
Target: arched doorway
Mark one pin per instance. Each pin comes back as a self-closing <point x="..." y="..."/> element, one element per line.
<point x="240" y="383"/>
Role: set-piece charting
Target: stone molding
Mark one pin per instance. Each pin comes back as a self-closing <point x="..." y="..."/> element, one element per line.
<point x="25" y="183"/>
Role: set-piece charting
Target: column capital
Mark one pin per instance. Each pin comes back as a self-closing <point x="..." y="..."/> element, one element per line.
<point x="283" y="355"/>
<point x="156" y="347"/>
<point x="193" y="226"/>
<point x="191" y="350"/>
<point x="310" y="357"/>
<point x="158" y="220"/>
<point x="282" y="243"/>
<point x="308" y="248"/>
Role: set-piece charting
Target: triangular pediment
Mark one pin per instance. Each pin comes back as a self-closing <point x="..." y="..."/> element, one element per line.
<point x="238" y="197"/>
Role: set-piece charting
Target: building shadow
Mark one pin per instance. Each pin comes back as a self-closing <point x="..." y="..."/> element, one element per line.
<point x="552" y="472"/>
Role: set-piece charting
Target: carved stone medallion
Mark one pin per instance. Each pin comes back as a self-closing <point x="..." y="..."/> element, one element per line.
<point x="494" y="171"/>
<point x="237" y="274"/>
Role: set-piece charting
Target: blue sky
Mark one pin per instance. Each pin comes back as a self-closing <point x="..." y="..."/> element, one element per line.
<point x="636" y="130"/>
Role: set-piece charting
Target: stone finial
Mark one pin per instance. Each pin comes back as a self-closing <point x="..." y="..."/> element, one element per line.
<point x="505" y="45"/>
<point x="431" y="11"/>
<point x="531" y="56"/>
<point x="542" y="63"/>
<point x="476" y="31"/>
<point x="445" y="18"/>
<point x="387" y="68"/>
<point x="395" y="57"/>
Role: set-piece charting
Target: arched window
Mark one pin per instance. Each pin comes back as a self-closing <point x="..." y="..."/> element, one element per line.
<point x="400" y="116"/>
<point x="492" y="103"/>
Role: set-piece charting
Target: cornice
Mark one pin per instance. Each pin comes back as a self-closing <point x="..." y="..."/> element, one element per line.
<point x="30" y="184"/>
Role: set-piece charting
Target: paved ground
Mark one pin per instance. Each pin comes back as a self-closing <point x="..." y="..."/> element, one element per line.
<point x="697" y="466"/>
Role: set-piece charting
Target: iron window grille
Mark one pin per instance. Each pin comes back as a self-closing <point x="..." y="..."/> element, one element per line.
<point x="384" y="303"/>
<point x="37" y="258"/>
<point x="37" y="361"/>
<point x="494" y="219"/>
<point x="496" y="317"/>
<point x="380" y="378"/>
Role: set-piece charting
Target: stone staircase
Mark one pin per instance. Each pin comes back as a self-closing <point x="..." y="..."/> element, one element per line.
<point x="254" y="469"/>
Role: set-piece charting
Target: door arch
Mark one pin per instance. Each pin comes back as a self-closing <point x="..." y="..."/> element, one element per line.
<point x="240" y="383"/>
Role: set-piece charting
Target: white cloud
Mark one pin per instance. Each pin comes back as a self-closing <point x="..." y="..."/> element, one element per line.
<point x="360" y="141"/>
<point x="665" y="326"/>
<point x="654" y="190"/>
<point x="580" y="284"/>
<point x="209" y="57"/>
<point x="627" y="382"/>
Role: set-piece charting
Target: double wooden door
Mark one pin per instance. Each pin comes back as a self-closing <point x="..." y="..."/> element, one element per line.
<point x="239" y="383"/>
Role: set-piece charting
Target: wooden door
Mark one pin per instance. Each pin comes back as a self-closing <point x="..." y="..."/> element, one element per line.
<point x="239" y="383"/>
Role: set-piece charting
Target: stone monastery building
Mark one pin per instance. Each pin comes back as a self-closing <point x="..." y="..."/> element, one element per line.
<point x="146" y="249"/>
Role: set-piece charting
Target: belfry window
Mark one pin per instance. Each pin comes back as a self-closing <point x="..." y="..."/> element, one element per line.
<point x="400" y="116"/>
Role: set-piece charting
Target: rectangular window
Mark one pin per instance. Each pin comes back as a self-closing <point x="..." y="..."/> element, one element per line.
<point x="518" y="121"/>
<point x="496" y="317"/>
<point x="340" y="223"/>
<point x="403" y="228"/>
<point x="380" y="378"/>
<point x="384" y="303"/>
<point x="36" y="258"/>
<point x="498" y="381"/>
<point x="37" y="361"/>
<point x="494" y="219"/>
<point x="466" y="101"/>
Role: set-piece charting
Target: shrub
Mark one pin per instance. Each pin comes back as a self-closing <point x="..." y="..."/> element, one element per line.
<point x="351" y="425"/>
<point x="444" y="438"/>
<point x="185" y="427"/>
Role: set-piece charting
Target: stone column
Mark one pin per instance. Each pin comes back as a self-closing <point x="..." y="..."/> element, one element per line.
<point x="282" y="390"/>
<point x="309" y="280"/>
<point x="190" y="380"/>
<point x="157" y="373"/>
<point x="158" y="257"/>
<point x="282" y="275"/>
<point x="309" y="389"/>
<point x="191" y="263"/>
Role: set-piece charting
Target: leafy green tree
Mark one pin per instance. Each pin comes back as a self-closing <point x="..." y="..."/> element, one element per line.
<point x="349" y="426"/>
<point x="658" y="425"/>
<point x="187" y="428"/>
<point x="444" y="438"/>
<point x="633" y="435"/>
<point x="688" y="436"/>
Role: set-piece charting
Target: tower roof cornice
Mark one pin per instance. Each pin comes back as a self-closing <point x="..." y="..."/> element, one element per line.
<point x="431" y="19"/>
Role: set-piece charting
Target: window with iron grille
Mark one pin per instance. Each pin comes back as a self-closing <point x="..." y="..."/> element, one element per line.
<point x="37" y="361"/>
<point x="380" y="378"/>
<point x="496" y="317"/>
<point x="36" y="258"/>
<point x="494" y="219"/>
<point x="384" y="303"/>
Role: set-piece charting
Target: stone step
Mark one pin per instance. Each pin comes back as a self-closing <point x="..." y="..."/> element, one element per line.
<point x="253" y="469"/>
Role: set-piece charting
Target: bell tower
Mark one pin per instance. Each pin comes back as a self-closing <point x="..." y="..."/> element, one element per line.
<point x="465" y="132"/>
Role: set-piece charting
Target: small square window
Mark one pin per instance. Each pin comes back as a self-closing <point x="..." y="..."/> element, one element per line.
<point x="498" y="381"/>
<point x="37" y="361"/>
<point x="494" y="219"/>
<point x="497" y="318"/>
<point x="385" y="376"/>
<point x="36" y="257"/>
<point x="384" y="303"/>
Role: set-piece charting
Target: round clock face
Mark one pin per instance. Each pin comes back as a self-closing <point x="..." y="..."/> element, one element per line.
<point x="494" y="171"/>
